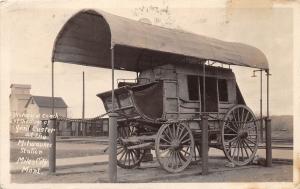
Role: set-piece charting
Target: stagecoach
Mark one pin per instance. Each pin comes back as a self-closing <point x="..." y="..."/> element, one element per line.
<point x="182" y="78"/>
<point x="162" y="111"/>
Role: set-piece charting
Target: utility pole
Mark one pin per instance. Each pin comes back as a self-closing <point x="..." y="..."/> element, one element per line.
<point x="83" y="125"/>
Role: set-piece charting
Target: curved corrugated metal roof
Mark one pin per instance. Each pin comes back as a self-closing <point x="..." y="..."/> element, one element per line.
<point x="87" y="37"/>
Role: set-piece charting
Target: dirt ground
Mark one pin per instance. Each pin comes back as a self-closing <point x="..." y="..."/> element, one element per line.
<point x="63" y="150"/>
<point x="151" y="172"/>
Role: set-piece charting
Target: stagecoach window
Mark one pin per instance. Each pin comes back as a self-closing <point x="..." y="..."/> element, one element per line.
<point x="193" y="87"/>
<point x="222" y="86"/>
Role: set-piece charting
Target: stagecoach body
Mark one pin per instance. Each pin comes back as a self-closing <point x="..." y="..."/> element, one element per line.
<point x="168" y="95"/>
<point x="173" y="92"/>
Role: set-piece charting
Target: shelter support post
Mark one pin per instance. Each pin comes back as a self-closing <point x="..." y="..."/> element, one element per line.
<point x="52" y="129"/>
<point x="204" y="90"/>
<point x="268" y="142"/>
<point x="52" y="87"/>
<point x="112" y="165"/>
<point x="52" y="142"/>
<point x="204" y="144"/>
<point x="260" y="103"/>
<point x="268" y="128"/>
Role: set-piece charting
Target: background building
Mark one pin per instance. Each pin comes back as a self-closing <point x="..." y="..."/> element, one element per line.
<point x="22" y="102"/>
<point x="43" y="105"/>
<point x="18" y="98"/>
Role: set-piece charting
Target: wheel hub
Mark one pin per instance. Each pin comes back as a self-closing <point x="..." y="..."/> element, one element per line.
<point x="175" y="144"/>
<point x="242" y="134"/>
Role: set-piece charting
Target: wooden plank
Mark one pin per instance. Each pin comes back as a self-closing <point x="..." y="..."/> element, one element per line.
<point x="136" y="139"/>
<point x="170" y="88"/>
<point x="225" y="105"/>
<point x="211" y="71"/>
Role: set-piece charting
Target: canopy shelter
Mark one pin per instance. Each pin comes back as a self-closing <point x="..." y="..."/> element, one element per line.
<point x="87" y="37"/>
<point x="96" y="38"/>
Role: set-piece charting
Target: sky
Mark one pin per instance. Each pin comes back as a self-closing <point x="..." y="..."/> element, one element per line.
<point x="29" y="30"/>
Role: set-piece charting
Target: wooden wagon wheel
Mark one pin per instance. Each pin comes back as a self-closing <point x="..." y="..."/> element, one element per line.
<point x="239" y="135"/>
<point x="128" y="158"/>
<point x="174" y="146"/>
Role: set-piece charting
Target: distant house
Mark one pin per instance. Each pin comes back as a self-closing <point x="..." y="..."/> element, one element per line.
<point x="43" y="105"/>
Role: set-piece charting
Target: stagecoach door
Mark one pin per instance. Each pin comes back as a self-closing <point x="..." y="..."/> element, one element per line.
<point x="211" y="93"/>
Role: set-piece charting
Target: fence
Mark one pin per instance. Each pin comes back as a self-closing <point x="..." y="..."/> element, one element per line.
<point x="81" y="127"/>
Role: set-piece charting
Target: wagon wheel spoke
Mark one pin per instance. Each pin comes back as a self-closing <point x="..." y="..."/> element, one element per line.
<point x="242" y="117"/>
<point x="235" y="131"/>
<point x="174" y="131"/>
<point x="169" y="159"/>
<point x="177" y="131"/>
<point x="124" y="152"/>
<point x="249" y="147"/>
<point x="186" y="140"/>
<point x="181" y="138"/>
<point x="179" y="158"/>
<point x="241" y="146"/>
<point x="239" y="143"/>
<point x="231" y="140"/>
<point x="170" y="133"/>
<point x="245" y="148"/>
<point x="168" y="137"/>
<point x="181" y="132"/>
<point x="134" y="156"/>
<point x="245" y="120"/>
<point x="176" y="154"/>
<point x="176" y="164"/>
<point x="235" y="120"/>
<point x="238" y="117"/>
<point x="250" y="141"/>
<point x="234" y="148"/>
<point x="230" y="134"/>
<point x="167" y="141"/>
<point x="128" y="158"/>
<point x="238" y="150"/>
<point x="166" y="145"/>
